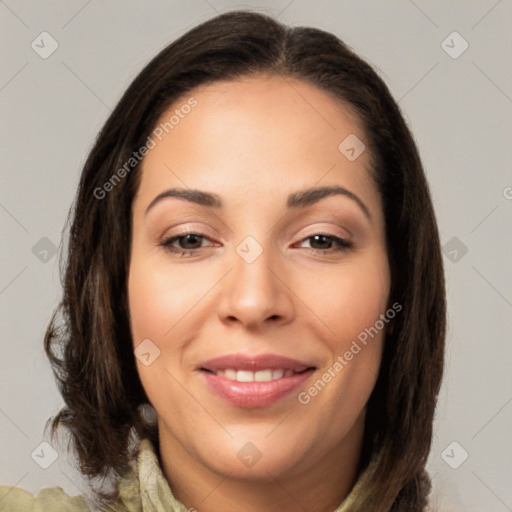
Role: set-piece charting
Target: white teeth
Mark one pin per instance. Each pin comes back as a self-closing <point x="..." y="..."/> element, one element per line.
<point x="244" y="376"/>
<point x="277" y="374"/>
<point x="229" y="373"/>
<point x="259" y="376"/>
<point x="263" y="375"/>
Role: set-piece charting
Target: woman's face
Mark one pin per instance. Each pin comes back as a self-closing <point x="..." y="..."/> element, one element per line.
<point x="259" y="346"/>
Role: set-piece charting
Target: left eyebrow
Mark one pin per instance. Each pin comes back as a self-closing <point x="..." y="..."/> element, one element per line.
<point x="298" y="199"/>
<point x="193" y="195"/>
<point x="307" y="197"/>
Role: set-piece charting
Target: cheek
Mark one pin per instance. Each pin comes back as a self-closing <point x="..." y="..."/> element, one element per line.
<point x="159" y="299"/>
<point x="348" y="300"/>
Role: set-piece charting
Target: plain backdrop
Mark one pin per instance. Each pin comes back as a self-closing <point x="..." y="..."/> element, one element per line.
<point x="457" y="101"/>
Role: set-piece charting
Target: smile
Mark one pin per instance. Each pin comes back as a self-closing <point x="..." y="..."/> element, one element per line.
<point x="259" y="376"/>
<point x="254" y="381"/>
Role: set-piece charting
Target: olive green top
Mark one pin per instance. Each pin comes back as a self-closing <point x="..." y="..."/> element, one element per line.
<point x="145" y="490"/>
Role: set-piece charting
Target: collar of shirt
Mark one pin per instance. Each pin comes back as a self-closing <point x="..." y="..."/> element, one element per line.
<point x="149" y="491"/>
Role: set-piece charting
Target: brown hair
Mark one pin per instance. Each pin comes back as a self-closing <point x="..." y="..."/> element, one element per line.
<point x="96" y="368"/>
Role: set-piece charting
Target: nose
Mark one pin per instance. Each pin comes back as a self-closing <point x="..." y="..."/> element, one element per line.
<point x="256" y="293"/>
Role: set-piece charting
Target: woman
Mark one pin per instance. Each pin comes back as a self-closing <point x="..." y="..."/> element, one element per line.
<point x="294" y="353"/>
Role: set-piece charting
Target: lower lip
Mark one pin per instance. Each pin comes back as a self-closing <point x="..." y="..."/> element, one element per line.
<point x="254" y="394"/>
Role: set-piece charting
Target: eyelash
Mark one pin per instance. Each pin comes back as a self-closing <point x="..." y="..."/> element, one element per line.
<point x="343" y="245"/>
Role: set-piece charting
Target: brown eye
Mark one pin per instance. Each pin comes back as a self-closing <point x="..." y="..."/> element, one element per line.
<point x="323" y="242"/>
<point x="188" y="240"/>
<point x="188" y="243"/>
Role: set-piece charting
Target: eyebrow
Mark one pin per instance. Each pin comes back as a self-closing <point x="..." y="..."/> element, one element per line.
<point x="298" y="199"/>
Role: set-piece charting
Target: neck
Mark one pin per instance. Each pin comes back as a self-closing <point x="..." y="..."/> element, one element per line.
<point x="319" y="487"/>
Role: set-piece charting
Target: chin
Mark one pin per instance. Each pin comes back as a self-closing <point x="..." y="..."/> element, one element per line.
<point x="264" y="467"/>
<point x="255" y="457"/>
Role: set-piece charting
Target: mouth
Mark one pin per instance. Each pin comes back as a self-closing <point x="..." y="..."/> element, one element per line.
<point x="249" y="376"/>
<point x="252" y="382"/>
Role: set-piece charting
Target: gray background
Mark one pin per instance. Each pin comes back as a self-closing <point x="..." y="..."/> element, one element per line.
<point x="459" y="110"/>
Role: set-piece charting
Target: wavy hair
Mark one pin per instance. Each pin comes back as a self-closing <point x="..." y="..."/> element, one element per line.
<point x="90" y="349"/>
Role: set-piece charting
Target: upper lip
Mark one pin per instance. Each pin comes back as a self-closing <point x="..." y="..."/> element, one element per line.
<point x="254" y="363"/>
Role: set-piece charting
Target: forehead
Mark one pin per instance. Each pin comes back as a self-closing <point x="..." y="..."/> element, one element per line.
<point x="255" y="135"/>
<point x="274" y="92"/>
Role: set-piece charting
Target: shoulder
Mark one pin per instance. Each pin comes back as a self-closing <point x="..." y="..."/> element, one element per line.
<point x="15" y="499"/>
